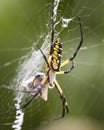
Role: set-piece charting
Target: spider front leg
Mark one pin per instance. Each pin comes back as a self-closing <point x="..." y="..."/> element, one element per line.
<point x="65" y="63"/>
<point x="34" y="95"/>
<point x="64" y="102"/>
<point x="71" y="59"/>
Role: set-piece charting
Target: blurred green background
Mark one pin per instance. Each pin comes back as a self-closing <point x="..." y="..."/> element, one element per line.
<point x="22" y="22"/>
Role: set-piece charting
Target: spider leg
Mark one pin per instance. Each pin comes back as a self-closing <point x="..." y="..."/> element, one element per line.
<point x="45" y="58"/>
<point x="31" y="99"/>
<point x="71" y="59"/>
<point x="26" y="104"/>
<point x="80" y="44"/>
<point x="35" y="95"/>
<point x="52" y="33"/>
<point x="67" y="71"/>
<point x="64" y="102"/>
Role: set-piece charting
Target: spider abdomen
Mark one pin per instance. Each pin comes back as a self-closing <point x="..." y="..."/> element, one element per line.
<point x="56" y="53"/>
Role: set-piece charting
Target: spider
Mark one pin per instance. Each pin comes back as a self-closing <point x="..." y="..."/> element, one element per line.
<point x="38" y="85"/>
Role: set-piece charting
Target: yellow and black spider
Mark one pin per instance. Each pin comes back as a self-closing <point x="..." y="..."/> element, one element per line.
<point x="38" y="85"/>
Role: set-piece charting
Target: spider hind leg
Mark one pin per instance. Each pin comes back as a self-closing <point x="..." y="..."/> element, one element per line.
<point x="65" y="108"/>
<point x="65" y="105"/>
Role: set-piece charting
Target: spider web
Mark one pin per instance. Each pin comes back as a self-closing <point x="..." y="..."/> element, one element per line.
<point x="84" y="90"/>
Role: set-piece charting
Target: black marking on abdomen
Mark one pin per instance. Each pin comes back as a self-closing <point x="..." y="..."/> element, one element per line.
<point x="56" y="52"/>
